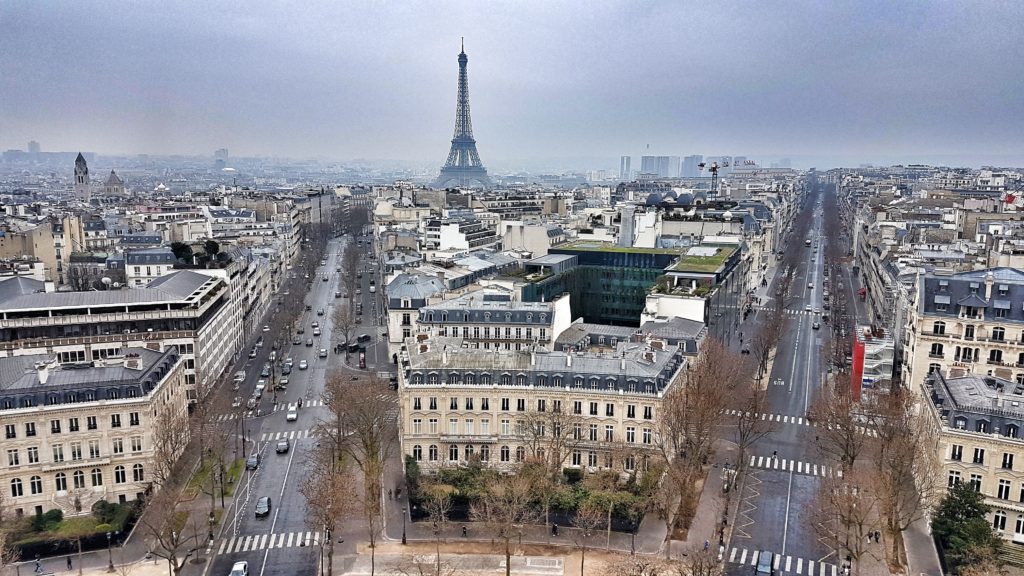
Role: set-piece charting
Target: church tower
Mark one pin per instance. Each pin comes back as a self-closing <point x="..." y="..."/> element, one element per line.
<point x="82" y="178"/>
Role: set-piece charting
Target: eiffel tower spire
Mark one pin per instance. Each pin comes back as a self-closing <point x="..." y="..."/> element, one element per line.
<point x="463" y="165"/>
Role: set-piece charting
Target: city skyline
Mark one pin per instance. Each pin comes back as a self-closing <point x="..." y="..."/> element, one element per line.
<point x="552" y="85"/>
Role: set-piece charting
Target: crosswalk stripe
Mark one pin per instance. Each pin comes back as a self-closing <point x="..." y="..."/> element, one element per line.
<point x="224" y="545"/>
<point x="291" y="535"/>
<point x="753" y="558"/>
<point x="273" y="537"/>
<point x="789" y="560"/>
<point x="245" y="546"/>
<point x="262" y="544"/>
<point x="743" y="557"/>
<point x="835" y="570"/>
<point x="810" y="567"/>
<point x="732" y="555"/>
<point x="799" y="565"/>
<point x="775" y="564"/>
<point x="309" y="536"/>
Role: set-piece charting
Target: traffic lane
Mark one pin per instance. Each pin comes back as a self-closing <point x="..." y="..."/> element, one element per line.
<point x="802" y="537"/>
<point x="294" y="560"/>
<point x="762" y="506"/>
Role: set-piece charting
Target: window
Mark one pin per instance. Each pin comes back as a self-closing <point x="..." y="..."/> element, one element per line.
<point x="609" y="409"/>
<point x="453" y="426"/>
<point x="468" y="452"/>
<point x="12" y="457"/>
<point x="115" y="420"/>
<point x="577" y="407"/>
<point x="469" y="403"/>
<point x="416" y="404"/>
<point x="16" y="489"/>
<point x="90" y="422"/>
<point x="577" y="431"/>
<point x="58" y="453"/>
<point x="119" y="476"/>
<point x="432" y="453"/>
<point x="72" y="424"/>
<point x="506" y="427"/>
<point x="79" y="479"/>
<point x="76" y="450"/>
<point x="630" y="434"/>
<point x="577" y="458"/>
<point x="30" y="429"/>
<point x="1003" y="492"/>
<point x="453" y="404"/>
<point x="33" y="454"/>
<point x="593" y="408"/>
<point x="504" y="404"/>
<point x="520" y="404"/>
<point x="136" y="443"/>
<point x="138" y="473"/>
<point x="630" y="410"/>
<point x="433" y="403"/>
<point x="593" y="433"/>
<point x="94" y="448"/>
<point x="647" y="436"/>
<point x="432" y="425"/>
<point x="936" y="350"/>
<point x="542" y="405"/>
<point x="999" y="334"/>
<point x="117" y="445"/>
<point x="35" y="485"/>
<point x="503" y="454"/>
<point x="485" y="453"/>
<point x="1007" y="461"/>
<point x="469" y="426"/>
<point x="485" y="426"/>
<point x="485" y="403"/>
<point x="609" y="433"/>
<point x="956" y="452"/>
<point x="10" y="431"/>
<point x="54" y="426"/>
<point x="939" y="328"/>
<point x="556" y="406"/>
<point x="976" y="482"/>
<point x="648" y="412"/>
<point x="417" y="453"/>
<point x="999" y="521"/>
<point x="592" y="459"/>
<point x="60" y="482"/>
<point x="979" y="456"/>
<point x="133" y="419"/>
<point x="453" y="453"/>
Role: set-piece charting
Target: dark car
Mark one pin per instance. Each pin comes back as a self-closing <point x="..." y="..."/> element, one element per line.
<point x="283" y="445"/>
<point x="252" y="462"/>
<point x="263" y="507"/>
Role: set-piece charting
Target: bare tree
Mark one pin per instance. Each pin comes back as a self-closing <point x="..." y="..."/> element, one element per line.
<point x="350" y="269"/>
<point x="345" y="323"/>
<point x="588" y="518"/>
<point x="166" y="529"/>
<point x="8" y="552"/>
<point x="840" y="430"/>
<point x="550" y="436"/>
<point x="504" y="507"/>
<point x="767" y="336"/>
<point x="844" y="511"/>
<point x="437" y="502"/>
<point x="906" y="476"/>
<point x="328" y="488"/>
<point x="170" y="438"/>
<point x="633" y="565"/>
<point x="696" y="562"/>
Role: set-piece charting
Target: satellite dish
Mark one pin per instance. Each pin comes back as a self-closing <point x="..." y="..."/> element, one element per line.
<point x="106" y="281"/>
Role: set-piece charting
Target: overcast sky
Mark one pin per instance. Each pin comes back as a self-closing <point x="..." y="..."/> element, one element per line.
<point x="853" y="81"/>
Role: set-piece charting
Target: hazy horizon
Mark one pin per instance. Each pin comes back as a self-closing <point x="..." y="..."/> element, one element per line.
<point x="842" y="83"/>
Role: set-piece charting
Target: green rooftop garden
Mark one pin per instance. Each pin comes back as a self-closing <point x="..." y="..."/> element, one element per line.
<point x="692" y="263"/>
<point x="598" y="246"/>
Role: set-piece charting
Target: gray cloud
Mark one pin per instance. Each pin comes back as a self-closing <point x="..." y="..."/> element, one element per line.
<point x="377" y="80"/>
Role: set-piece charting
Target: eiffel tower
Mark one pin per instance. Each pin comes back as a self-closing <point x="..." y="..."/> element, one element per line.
<point x="463" y="165"/>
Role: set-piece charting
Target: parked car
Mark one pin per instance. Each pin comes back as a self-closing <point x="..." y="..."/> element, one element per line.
<point x="252" y="462"/>
<point x="240" y="569"/>
<point x="282" y="384"/>
<point x="315" y="324"/>
<point x="297" y="341"/>
<point x="237" y="402"/>
<point x="283" y="445"/>
<point x="286" y="370"/>
<point x="253" y="352"/>
<point x="301" y="330"/>
<point x="263" y="507"/>
<point x="816" y="325"/>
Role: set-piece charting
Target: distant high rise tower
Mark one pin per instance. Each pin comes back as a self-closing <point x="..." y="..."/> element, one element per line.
<point x="662" y="166"/>
<point x="463" y="165"/>
<point x="691" y="168"/>
<point x="33" y="147"/>
<point x="624" y="168"/>
<point x="82" y="178"/>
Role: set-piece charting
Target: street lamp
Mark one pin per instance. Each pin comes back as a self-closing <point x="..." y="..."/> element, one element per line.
<point x="212" y="519"/>
<point x="632" y="538"/>
<point x="403" y="525"/>
<point x="110" y="555"/>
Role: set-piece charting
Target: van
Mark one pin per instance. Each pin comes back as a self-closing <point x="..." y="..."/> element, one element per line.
<point x="363" y="338"/>
<point x="238" y="379"/>
<point x="765" y="563"/>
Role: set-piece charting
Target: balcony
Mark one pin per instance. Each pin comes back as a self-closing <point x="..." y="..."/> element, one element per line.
<point x="938" y="356"/>
<point x="102" y="339"/>
<point x="994" y="362"/>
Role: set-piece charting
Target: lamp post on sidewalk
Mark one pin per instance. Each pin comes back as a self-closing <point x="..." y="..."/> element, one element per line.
<point x="632" y="538"/>
<point x="403" y="525"/>
<point x="110" y="555"/>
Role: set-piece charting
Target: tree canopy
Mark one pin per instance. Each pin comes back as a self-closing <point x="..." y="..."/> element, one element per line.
<point x="961" y="528"/>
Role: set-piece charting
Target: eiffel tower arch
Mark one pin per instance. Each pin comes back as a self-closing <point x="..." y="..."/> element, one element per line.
<point x="463" y="167"/>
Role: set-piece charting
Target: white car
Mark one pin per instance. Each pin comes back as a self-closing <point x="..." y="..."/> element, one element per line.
<point x="323" y="352"/>
<point x="240" y="569"/>
<point x="266" y="328"/>
<point x="303" y="364"/>
<point x="236" y="402"/>
<point x="261" y="385"/>
<point x="293" y="413"/>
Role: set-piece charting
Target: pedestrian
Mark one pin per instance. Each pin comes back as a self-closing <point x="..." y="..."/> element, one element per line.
<point x="464" y="534"/>
<point x="706" y="544"/>
<point x="554" y="529"/>
<point x="69" y="562"/>
<point x="39" y="565"/>
<point x="398" y="493"/>
<point x="390" y="494"/>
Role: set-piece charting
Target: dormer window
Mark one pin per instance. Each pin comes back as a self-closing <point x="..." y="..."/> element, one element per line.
<point x="943" y="285"/>
<point x="974" y="287"/>
<point x="508" y="316"/>
<point x="1004" y="289"/>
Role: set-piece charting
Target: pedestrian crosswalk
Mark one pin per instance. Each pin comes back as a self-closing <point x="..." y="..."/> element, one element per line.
<point x="265" y="541"/>
<point x="787" y="465"/>
<point x="785" y="564"/>
<point x="305" y="404"/>
<point x="291" y="435"/>
<point x="797" y="420"/>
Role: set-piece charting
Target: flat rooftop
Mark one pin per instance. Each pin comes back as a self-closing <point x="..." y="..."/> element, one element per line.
<point x="704" y="258"/>
<point x="598" y="246"/>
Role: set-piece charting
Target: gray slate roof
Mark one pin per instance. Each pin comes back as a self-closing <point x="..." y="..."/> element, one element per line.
<point x="414" y="286"/>
<point x="173" y="287"/>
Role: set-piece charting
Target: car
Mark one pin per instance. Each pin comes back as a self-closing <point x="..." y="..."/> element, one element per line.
<point x="317" y="332"/>
<point x="237" y="402"/>
<point x="283" y="445"/>
<point x="250" y="404"/>
<point x="301" y="330"/>
<point x="297" y="341"/>
<point x="253" y="352"/>
<point x="323" y="352"/>
<point x="309" y="307"/>
<point x="286" y="370"/>
<point x="239" y="569"/>
<point x="293" y="413"/>
<point x="303" y="364"/>
<point x="252" y="462"/>
<point x="281" y="384"/>
<point x="320" y="312"/>
<point x="259" y="342"/>
<point x="363" y="338"/>
<point x="265" y="372"/>
<point x="359" y="292"/>
<point x="359" y="275"/>
<point x="826" y="306"/>
<point x="266" y="328"/>
<point x="807" y="307"/>
<point x="765" y="563"/>
<point x="325" y="278"/>
<point x="309" y="341"/>
<point x="337" y="294"/>
<point x="353" y="347"/>
<point x="817" y="310"/>
<point x="816" y="325"/>
<point x="315" y="324"/>
<point x="810" y="285"/>
<point x="263" y="507"/>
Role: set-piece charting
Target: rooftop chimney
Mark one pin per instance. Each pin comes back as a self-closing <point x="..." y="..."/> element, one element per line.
<point x="133" y="361"/>
<point x="568" y="359"/>
<point x="444" y="355"/>
<point x="43" y="372"/>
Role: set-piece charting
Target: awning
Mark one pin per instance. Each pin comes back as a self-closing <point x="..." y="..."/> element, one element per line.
<point x="942" y="299"/>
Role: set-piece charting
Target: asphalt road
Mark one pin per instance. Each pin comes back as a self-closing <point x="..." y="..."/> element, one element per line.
<point x="283" y="542"/>
<point x="779" y="494"/>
